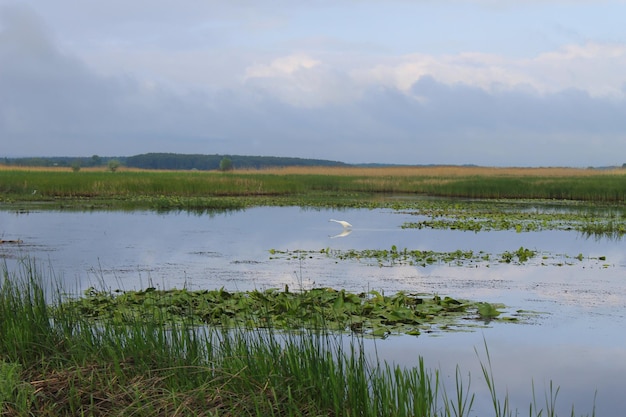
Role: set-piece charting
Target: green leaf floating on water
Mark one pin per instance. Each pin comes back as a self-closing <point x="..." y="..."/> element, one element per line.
<point x="371" y="313"/>
<point x="487" y="311"/>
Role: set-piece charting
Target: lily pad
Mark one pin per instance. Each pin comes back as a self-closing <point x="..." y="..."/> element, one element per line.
<point x="372" y="313"/>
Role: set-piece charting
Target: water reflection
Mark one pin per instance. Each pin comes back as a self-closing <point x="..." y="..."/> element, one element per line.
<point x="344" y="233"/>
<point x="584" y="301"/>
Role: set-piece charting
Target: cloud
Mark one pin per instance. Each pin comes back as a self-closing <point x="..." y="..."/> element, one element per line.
<point x="52" y="103"/>
<point x="415" y="109"/>
<point x="36" y="79"/>
<point x="301" y="81"/>
<point x="287" y="65"/>
<point x="592" y="67"/>
<point x="462" y="106"/>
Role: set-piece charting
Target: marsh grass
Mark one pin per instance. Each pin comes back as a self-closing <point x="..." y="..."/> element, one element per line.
<point x="54" y="362"/>
<point x="309" y="186"/>
<point x="439" y="171"/>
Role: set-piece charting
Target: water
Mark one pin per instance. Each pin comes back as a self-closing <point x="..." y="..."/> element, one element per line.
<point x="579" y="342"/>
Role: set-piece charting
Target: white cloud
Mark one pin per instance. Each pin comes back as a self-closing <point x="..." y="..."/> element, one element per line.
<point x="599" y="69"/>
<point x="286" y="65"/>
<point x="313" y="80"/>
<point x="301" y="80"/>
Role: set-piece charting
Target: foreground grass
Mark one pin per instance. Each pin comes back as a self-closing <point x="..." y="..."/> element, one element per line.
<point x="55" y="362"/>
<point x="310" y="186"/>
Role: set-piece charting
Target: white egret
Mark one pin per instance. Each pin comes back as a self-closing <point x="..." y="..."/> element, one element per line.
<point x="344" y="223"/>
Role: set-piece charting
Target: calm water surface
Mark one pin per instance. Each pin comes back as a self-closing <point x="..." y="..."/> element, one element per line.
<point x="579" y="342"/>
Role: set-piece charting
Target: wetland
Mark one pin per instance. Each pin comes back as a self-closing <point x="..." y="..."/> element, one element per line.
<point x="553" y="270"/>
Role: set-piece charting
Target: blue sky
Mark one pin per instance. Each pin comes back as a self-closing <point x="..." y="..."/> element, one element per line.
<point x="497" y="83"/>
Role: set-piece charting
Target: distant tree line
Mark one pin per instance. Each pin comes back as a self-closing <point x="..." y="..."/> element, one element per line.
<point x="172" y="161"/>
<point x="218" y="162"/>
<point x="62" y="161"/>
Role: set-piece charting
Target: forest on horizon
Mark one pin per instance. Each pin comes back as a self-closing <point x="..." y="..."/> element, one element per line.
<point x="171" y="161"/>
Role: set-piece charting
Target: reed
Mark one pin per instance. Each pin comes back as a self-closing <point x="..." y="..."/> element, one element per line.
<point x="442" y="171"/>
<point x="53" y="361"/>
<point x="300" y="184"/>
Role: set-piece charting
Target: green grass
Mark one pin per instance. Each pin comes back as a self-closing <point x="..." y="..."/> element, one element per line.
<point x="56" y="362"/>
<point x="215" y="190"/>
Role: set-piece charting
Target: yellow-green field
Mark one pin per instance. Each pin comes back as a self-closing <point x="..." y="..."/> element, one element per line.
<point x="443" y="171"/>
<point x="297" y="185"/>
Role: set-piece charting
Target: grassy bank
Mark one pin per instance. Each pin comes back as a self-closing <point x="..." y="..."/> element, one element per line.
<point x="54" y="361"/>
<point x="304" y="186"/>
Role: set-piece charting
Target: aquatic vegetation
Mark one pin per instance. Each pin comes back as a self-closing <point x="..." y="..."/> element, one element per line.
<point x="394" y="256"/>
<point x="371" y="313"/>
<point x="350" y="186"/>
<point x="614" y="229"/>
<point x="56" y="361"/>
<point x="487" y="311"/>
<point x="522" y="255"/>
<point x="520" y="216"/>
<point x="146" y="356"/>
<point x="590" y="203"/>
<point x="424" y="258"/>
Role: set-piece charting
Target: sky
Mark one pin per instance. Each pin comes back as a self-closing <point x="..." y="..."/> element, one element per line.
<point x="486" y="82"/>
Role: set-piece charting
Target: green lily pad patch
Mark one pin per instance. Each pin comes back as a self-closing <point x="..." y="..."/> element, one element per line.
<point x="520" y="216"/>
<point x="423" y="258"/>
<point x="369" y="313"/>
<point x="395" y="256"/>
